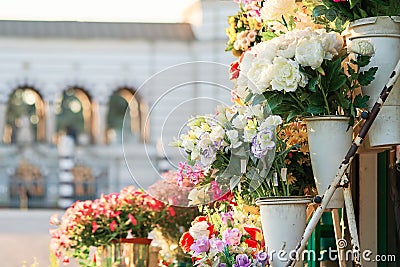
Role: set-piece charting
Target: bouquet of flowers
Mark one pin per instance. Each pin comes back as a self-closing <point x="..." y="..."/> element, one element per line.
<point x="96" y="223"/>
<point x="230" y="239"/>
<point x="301" y="73"/>
<point x="261" y="20"/>
<point x="236" y="141"/>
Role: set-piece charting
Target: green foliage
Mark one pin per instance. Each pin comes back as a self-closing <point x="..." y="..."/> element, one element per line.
<point x="336" y="15"/>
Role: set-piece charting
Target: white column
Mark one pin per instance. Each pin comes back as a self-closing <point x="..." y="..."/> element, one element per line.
<point x="101" y="123"/>
<point x="50" y="122"/>
<point x="3" y="111"/>
<point x="66" y="151"/>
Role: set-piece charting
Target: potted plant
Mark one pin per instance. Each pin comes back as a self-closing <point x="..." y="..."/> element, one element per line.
<point x="308" y="73"/>
<point x="114" y="223"/>
<point x="378" y="22"/>
<point x="245" y="150"/>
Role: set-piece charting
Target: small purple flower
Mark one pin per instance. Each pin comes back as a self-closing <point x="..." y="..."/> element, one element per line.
<point x="242" y="260"/>
<point x="262" y="257"/>
<point x="217" y="244"/>
<point x="201" y="245"/>
<point x="262" y="143"/>
<point x="222" y="265"/>
<point x="231" y="236"/>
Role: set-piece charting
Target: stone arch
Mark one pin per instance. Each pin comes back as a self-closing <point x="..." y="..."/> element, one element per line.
<point x="25" y="116"/>
<point x="125" y="101"/>
<point x="74" y="115"/>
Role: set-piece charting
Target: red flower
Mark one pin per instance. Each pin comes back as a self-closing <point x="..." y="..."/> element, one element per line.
<point x="113" y="224"/>
<point x="200" y="219"/>
<point x="65" y="260"/>
<point x="94" y="226"/>
<point x="186" y="241"/>
<point x="171" y="211"/>
<point x="234" y="70"/>
<point x="255" y="233"/>
<point x="251" y="243"/>
<point x="132" y="219"/>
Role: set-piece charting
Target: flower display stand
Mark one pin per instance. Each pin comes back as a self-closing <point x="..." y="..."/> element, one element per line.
<point x="333" y="133"/>
<point x="341" y="178"/>
<point x="125" y="252"/>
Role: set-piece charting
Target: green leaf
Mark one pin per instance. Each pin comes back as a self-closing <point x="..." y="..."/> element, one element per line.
<point x="268" y="35"/>
<point x="337" y="83"/>
<point x="361" y="101"/>
<point x="315" y="110"/>
<point x="274" y="100"/>
<point x="248" y="97"/>
<point x="319" y="11"/>
<point x="366" y="77"/>
<point x="258" y="99"/>
<point x="331" y="15"/>
<point x="312" y="84"/>
<point x="362" y="61"/>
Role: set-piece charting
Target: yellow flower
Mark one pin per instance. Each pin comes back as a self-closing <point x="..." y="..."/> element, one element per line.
<point x="205" y="127"/>
<point x="291" y="179"/>
<point x="251" y="124"/>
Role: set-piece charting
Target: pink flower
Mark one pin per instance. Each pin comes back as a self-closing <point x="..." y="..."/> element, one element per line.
<point x="132" y="219"/>
<point x="231" y="236"/>
<point x="113" y="225"/>
<point x="94" y="226"/>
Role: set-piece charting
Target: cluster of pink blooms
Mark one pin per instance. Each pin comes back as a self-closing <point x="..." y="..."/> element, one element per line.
<point x="116" y="212"/>
<point x="185" y="172"/>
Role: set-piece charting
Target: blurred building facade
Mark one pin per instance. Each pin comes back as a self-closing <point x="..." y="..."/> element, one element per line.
<point x="102" y="84"/>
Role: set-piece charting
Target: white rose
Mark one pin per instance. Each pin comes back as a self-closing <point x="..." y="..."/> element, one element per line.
<point x="217" y="133"/>
<point x="199" y="229"/>
<point x="275" y="9"/>
<point x="286" y="75"/>
<point x="309" y="52"/>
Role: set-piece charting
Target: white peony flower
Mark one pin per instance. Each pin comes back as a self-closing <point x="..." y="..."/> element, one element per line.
<point x="286" y="75"/>
<point x="309" y="52"/>
<point x="259" y="78"/>
<point x="275" y="9"/>
<point x="332" y="43"/>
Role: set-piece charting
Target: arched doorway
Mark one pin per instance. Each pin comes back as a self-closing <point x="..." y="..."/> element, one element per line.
<point x="74" y="115"/>
<point x="125" y="102"/>
<point x="25" y="117"/>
